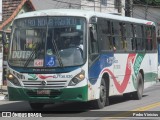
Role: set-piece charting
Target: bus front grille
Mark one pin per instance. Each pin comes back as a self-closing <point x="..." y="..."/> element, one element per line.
<point x="48" y="84"/>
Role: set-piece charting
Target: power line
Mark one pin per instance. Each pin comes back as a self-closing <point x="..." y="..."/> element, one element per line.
<point x="103" y="7"/>
<point x="151" y="14"/>
<point x="144" y="4"/>
<point x="97" y="6"/>
<point x="81" y="4"/>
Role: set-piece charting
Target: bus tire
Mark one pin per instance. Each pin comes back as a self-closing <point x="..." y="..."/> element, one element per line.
<point x="137" y="95"/>
<point x="103" y="99"/>
<point x="36" y="106"/>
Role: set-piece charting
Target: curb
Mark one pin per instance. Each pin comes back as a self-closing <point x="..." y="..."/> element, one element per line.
<point x="3" y="97"/>
<point x="3" y="92"/>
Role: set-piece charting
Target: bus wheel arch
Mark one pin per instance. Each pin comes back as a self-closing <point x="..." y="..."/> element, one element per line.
<point x="107" y="82"/>
<point x="140" y="86"/>
<point x="142" y="73"/>
<point x="103" y="99"/>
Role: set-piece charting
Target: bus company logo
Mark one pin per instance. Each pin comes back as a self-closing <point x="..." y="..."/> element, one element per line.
<point x="44" y="76"/>
<point x="62" y="76"/>
<point x="44" y="82"/>
<point x="32" y="77"/>
<point x="111" y="60"/>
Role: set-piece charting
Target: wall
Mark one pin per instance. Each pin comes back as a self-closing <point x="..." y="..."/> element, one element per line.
<point x="109" y="7"/>
<point x="147" y="13"/>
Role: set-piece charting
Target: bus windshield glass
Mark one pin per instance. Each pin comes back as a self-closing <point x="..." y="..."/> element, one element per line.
<point x="48" y="42"/>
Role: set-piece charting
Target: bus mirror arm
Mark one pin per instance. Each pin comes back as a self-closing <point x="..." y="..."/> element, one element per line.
<point x="114" y="48"/>
<point x="4" y="39"/>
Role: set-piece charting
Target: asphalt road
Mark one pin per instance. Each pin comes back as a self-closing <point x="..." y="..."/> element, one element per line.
<point x="119" y="108"/>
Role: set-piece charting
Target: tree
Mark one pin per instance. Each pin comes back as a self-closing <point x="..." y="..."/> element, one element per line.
<point x="147" y="2"/>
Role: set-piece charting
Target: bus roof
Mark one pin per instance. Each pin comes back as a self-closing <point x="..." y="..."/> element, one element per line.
<point x="81" y="13"/>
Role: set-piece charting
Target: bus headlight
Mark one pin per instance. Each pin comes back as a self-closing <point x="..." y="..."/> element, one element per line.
<point x="10" y="77"/>
<point x="13" y="79"/>
<point x="78" y="78"/>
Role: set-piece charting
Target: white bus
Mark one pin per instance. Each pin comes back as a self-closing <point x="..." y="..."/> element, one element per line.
<point x="74" y="55"/>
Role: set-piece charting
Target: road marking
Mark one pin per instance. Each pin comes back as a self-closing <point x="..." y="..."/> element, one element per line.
<point x="130" y="113"/>
<point x="148" y="107"/>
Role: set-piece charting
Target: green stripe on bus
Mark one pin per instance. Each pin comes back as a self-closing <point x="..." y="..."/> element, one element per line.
<point x="66" y="94"/>
<point x="137" y="64"/>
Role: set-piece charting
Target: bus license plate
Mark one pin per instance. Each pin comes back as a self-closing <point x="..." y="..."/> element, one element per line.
<point x="43" y="92"/>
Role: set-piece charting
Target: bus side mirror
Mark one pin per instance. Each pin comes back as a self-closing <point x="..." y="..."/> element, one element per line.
<point x="93" y="20"/>
<point x="5" y="42"/>
<point x="3" y="38"/>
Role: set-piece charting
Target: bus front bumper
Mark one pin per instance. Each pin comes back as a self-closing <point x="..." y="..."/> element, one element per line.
<point x="66" y="94"/>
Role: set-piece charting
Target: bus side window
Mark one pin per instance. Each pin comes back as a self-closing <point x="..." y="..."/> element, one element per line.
<point x="123" y="37"/>
<point x="154" y="38"/>
<point x="129" y="36"/>
<point x="116" y="35"/>
<point x="133" y="38"/>
<point x="104" y="31"/>
<point x="139" y="37"/>
<point x="148" y="38"/>
<point x="93" y="39"/>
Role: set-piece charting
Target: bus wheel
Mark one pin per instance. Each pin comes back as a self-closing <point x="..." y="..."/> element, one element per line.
<point x="36" y="106"/>
<point x="140" y="86"/>
<point x="103" y="99"/>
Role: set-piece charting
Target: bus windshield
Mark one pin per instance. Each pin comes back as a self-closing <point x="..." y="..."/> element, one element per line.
<point x="48" y="42"/>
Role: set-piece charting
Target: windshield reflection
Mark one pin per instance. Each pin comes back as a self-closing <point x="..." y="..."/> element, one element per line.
<point x="48" y="46"/>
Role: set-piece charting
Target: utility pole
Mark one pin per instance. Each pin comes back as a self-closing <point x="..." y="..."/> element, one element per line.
<point x="146" y="10"/>
<point x="127" y="8"/>
<point x="100" y="4"/>
<point x="119" y="6"/>
<point x="70" y="5"/>
<point x="94" y="5"/>
<point x="131" y="8"/>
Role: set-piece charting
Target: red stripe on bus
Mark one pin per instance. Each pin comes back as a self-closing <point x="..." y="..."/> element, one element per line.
<point x="122" y="87"/>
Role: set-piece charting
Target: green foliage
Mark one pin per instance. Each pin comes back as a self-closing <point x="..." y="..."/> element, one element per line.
<point x="147" y="2"/>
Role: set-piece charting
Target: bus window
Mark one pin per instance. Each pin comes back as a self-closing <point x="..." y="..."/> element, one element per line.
<point x="105" y="34"/>
<point x="123" y="37"/>
<point x="154" y="38"/>
<point x="129" y="36"/>
<point x="93" y="39"/>
<point x="148" y="37"/>
<point x="139" y="42"/>
<point x="116" y="35"/>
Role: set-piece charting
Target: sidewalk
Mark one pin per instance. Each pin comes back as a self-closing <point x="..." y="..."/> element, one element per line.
<point x="3" y="92"/>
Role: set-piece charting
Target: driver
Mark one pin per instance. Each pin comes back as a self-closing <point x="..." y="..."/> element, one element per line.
<point x="67" y="42"/>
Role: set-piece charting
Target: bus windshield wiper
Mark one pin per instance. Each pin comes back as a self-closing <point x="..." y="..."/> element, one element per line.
<point x="58" y="55"/>
<point x="32" y="54"/>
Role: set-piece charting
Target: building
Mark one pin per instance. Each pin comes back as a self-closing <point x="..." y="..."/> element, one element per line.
<point x="10" y="9"/>
<point x="107" y="6"/>
<point x="148" y="10"/>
